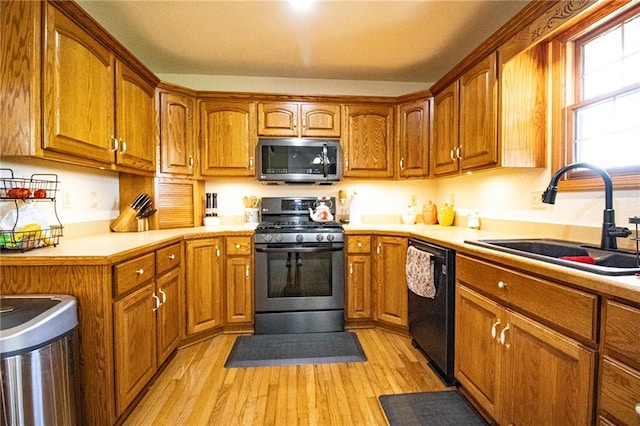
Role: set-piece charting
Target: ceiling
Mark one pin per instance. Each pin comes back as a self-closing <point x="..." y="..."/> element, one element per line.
<point x="403" y="41"/>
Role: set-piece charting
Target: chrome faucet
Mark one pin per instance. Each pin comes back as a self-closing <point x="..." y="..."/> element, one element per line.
<point x="609" y="230"/>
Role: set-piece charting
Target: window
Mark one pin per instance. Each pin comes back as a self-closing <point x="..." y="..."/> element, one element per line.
<point x="602" y="114"/>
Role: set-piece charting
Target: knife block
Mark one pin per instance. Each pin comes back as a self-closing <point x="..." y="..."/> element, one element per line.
<point x="126" y="221"/>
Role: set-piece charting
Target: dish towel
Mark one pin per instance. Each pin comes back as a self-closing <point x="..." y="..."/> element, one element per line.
<point x="419" y="273"/>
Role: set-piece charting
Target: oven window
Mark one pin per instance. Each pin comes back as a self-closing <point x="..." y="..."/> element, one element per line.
<point x="294" y="274"/>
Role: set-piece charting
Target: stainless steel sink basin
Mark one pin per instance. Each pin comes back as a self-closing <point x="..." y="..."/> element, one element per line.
<point x="568" y="253"/>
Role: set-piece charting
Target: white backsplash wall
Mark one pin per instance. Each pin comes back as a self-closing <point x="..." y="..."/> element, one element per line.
<point x="377" y="197"/>
<point x="508" y="193"/>
<point x="75" y="189"/>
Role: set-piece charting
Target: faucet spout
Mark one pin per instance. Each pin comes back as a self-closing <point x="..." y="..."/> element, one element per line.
<point x="609" y="230"/>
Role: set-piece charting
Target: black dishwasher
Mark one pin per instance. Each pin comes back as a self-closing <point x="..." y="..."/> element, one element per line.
<point x="431" y="320"/>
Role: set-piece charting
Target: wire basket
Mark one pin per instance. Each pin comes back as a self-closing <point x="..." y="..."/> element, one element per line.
<point x="40" y="187"/>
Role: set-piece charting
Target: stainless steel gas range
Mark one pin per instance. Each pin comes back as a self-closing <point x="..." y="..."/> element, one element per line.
<point x="299" y="269"/>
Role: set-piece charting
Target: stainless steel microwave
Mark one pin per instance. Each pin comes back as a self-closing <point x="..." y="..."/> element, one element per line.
<point x="295" y="160"/>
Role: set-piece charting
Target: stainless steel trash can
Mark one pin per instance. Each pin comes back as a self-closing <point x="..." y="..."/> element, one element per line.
<point x="38" y="360"/>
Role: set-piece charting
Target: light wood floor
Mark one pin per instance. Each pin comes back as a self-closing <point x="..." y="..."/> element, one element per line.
<point x="196" y="389"/>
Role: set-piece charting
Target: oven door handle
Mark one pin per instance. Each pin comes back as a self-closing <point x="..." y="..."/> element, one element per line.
<point x="296" y="249"/>
<point x="325" y="160"/>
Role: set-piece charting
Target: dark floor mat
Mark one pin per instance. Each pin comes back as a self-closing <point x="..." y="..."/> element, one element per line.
<point x="446" y="408"/>
<point x="295" y="349"/>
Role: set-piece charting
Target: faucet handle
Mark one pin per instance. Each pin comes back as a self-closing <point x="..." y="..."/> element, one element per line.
<point x="618" y="232"/>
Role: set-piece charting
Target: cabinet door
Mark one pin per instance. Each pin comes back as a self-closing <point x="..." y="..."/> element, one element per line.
<point x="229" y="138"/>
<point x="239" y="290"/>
<point x="390" y="280"/>
<point x="445" y="130"/>
<point x="135" y="120"/>
<point x="477" y="354"/>
<point x="368" y="141"/>
<point x="359" y="287"/>
<point x="134" y="344"/>
<point x="548" y="378"/>
<point x="204" y="278"/>
<point x="478" y="115"/>
<point x="177" y="142"/>
<point x="168" y="319"/>
<point x="413" y="139"/>
<point x="78" y="91"/>
<point x="320" y="120"/>
<point x="278" y="119"/>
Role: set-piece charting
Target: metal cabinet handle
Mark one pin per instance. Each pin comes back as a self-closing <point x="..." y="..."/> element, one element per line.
<point x="494" y="331"/>
<point x="503" y="336"/>
<point x="191" y="161"/>
<point x="217" y="252"/>
<point x="304" y="123"/>
<point x="379" y="248"/>
<point x="247" y="271"/>
<point x="172" y="256"/>
<point x="346" y="163"/>
<point x="459" y="152"/>
<point x="502" y="284"/>
<point x="164" y="296"/>
<point x="114" y="143"/>
<point x="251" y="163"/>
<point x="157" y="302"/>
<point x="123" y="146"/>
<point x="140" y="271"/>
<point x="350" y="269"/>
<point x="451" y="155"/>
<point x="402" y="164"/>
<point x="638" y="409"/>
<point x="295" y="122"/>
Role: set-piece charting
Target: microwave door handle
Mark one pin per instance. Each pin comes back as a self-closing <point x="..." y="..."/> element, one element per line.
<point x="325" y="160"/>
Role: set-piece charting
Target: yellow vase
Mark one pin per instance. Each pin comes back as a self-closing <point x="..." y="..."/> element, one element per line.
<point x="446" y="215"/>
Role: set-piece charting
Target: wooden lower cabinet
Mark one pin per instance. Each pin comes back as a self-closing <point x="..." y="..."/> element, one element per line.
<point x="359" y="278"/>
<point x="169" y="317"/>
<point x="204" y="283"/>
<point x="518" y="370"/>
<point x="239" y="281"/>
<point x="134" y="344"/>
<point x="389" y="280"/>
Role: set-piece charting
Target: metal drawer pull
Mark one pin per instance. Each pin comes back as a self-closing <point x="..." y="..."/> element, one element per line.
<point x="359" y="245"/>
<point x="140" y="271"/>
<point x="503" y="336"/>
<point x="502" y="284"/>
<point x="494" y="332"/>
<point x="157" y="301"/>
<point x="237" y="246"/>
<point x="172" y="256"/>
<point x="164" y="296"/>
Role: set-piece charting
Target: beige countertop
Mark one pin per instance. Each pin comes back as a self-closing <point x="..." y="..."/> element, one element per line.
<point x="110" y="247"/>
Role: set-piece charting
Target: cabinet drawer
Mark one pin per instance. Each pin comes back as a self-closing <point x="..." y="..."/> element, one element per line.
<point x="239" y="246"/>
<point x="620" y="391"/>
<point x="571" y="309"/>
<point x="168" y="257"/>
<point x="130" y="274"/>
<point x="621" y="331"/>
<point x="359" y="244"/>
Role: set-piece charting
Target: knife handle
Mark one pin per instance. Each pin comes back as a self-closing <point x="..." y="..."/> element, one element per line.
<point x="123" y="222"/>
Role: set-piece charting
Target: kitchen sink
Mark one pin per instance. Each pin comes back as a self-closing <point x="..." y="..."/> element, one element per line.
<point x="568" y="253"/>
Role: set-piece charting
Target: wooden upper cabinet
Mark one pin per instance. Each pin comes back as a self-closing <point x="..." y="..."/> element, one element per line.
<point x="298" y="119"/>
<point x="412" y="159"/>
<point x="177" y="141"/>
<point x="96" y="108"/>
<point x="135" y="120"/>
<point x="367" y="141"/>
<point x="228" y="138"/>
<point x="478" y="115"/>
<point x="445" y="130"/>
<point x="78" y="82"/>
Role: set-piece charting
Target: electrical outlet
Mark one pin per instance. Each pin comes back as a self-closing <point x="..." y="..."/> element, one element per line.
<point x="413" y="200"/>
<point x="93" y="200"/>
<point x="536" y="200"/>
<point x="66" y="200"/>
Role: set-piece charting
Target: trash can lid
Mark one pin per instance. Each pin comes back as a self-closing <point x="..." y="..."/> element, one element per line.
<point x="30" y="320"/>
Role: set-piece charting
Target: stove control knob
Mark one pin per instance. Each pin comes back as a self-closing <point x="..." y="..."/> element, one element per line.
<point x="319" y="237"/>
<point x="268" y="237"/>
<point x="299" y="238"/>
<point x="279" y="238"/>
<point x="330" y="237"/>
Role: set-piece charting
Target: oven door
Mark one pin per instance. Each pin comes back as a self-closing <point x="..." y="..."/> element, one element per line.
<point x="292" y="277"/>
